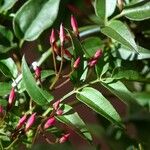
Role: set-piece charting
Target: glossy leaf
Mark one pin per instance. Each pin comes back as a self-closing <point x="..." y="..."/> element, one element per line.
<point x="105" y="8"/>
<point x="38" y="95"/>
<point x="127" y="54"/>
<point x="34" y="17"/>
<point x="120" y="32"/>
<point x="120" y="90"/>
<point x="8" y="68"/>
<point x="6" y="38"/>
<point x="73" y="120"/>
<point x="5" y="5"/>
<point x="139" y="11"/>
<point x="4" y="88"/>
<point x="96" y="101"/>
<point x="122" y="73"/>
<point x="47" y="73"/>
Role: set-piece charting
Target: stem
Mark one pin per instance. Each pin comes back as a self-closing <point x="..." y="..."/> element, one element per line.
<point x="62" y="84"/>
<point x="7" y="148"/>
<point x="54" y="82"/>
<point x="117" y="16"/>
<point x="68" y="95"/>
<point x="1" y="146"/>
<point x="60" y="69"/>
<point x="54" y="60"/>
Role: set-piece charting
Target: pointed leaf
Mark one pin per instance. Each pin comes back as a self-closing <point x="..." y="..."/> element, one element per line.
<point x="105" y="8"/>
<point x="96" y="101"/>
<point x="139" y="11"/>
<point x="127" y="54"/>
<point x="34" y="17"/>
<point x="119" y="31"/>
<point x="120" y="90"/>
<point x="8" y="68"/>
<point x="6" y="5"/>
<point x="38" y="95"/>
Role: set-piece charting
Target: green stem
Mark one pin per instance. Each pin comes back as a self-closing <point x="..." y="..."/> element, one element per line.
<point x="54" y="60"/>
<point x="68" y="95"/>
<point x="117" y="16"/>
<point x="10" y="146"/>
<point x="1" y="146"/>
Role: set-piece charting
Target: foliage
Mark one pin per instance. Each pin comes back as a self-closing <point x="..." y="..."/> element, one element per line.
<point x="101" y="57"/>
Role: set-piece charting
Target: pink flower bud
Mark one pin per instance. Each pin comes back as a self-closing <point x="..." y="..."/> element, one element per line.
<point x="56" y="104"/>
<point x="92" y="63"/>
<point x="76" y="63"/>
<point x="52" y="38"/>
<point x="62" y="34"/>
<point x="11" y="98"/>
<point x="50" y="122"/>
<point x="64" y="138"/>
<point x="74" y="25"/>
<point x="37" y="73"/>
<point x="30" y="122"/>
<point x="68" y="54"/>
<point x="98" y="54"/>
<point x="59" y="112"/>
<point x="21" y="122"/>
<point x="1" y="109"/>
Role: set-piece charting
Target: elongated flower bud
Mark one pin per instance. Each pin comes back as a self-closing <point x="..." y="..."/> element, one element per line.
<point x="1" y="111"/>
<point x="30" y="122"/>
<point x="11" y="98"/>
<point x="68" y="54"/>
<point x="64" y="138"/>
<point x="76" y="63"/>
<point x="98" y="54"/>
<point x="56" y="104"/>
<point x="50" y="122"/>
<point x="92" y="63"/>
<point x="38" y="73"/>
<point x="52" y="37"/>
<point x="21" y="122"/>
<point x="74" y="25"/>
<point x="62" y="34"/>
<point x="59" y="112"/>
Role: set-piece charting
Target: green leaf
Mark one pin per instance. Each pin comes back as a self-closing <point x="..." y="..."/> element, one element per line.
<point x="38" y="95"/>
<point x="120" y="32"/>
<point x="4" y="88"/>
<point x="3" y="102"/>
<point x="8" y="68"/>
<point x="73" y="120"/>
<point x="126" y="54"/>
<point x="105" y="8"/>
<point x="96" y="101"/>
<point x="123" y="73"/>
<point x="78" y="51"/>
<point x="120" y="90"/>
<point x="142" y="98"/>
<point x="139" y="11"/>
<point x="92" y="44"/>
<point x="6" y="38"/>
<point x="47" y="73"/>
<point x="34" y="17"/>
<point x="5" y="5"/>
